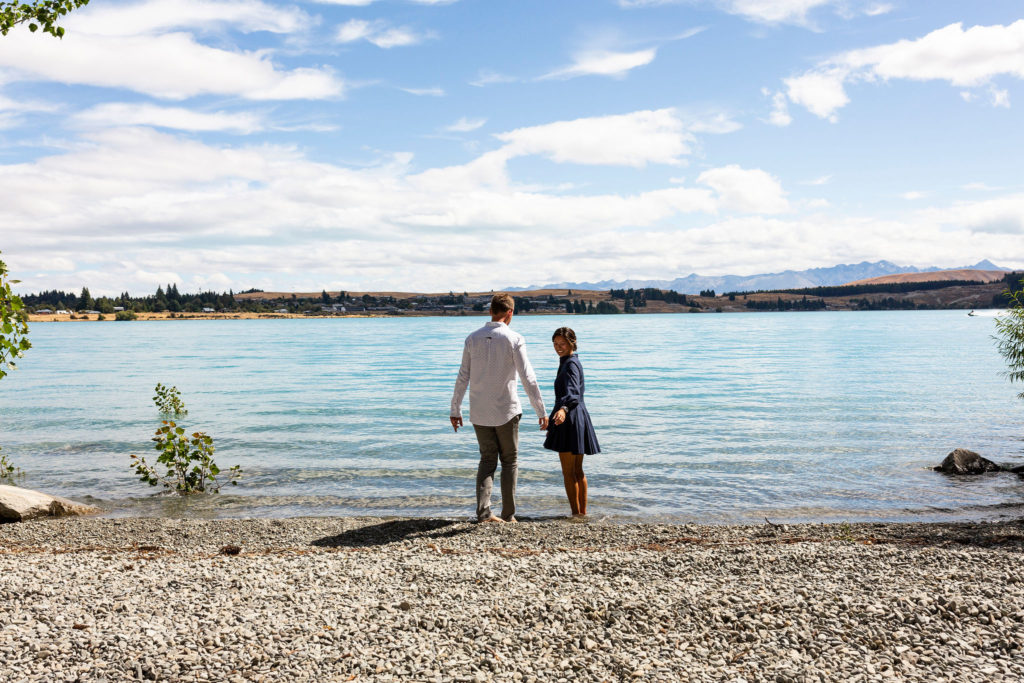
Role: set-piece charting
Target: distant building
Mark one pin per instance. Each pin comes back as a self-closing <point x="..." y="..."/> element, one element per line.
<point x="44" y="311"/>
<point x="117" y="309"/>
<point x="282" y="310"/>
<point x="61" y="311"/>
<point x="207" y="309"/>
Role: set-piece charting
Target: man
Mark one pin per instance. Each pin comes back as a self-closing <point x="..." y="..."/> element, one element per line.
<point x="491" y="359"/>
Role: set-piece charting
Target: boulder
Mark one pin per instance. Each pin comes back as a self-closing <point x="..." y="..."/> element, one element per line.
<point x="18" y="504"/>
<point x="963" y="461"/>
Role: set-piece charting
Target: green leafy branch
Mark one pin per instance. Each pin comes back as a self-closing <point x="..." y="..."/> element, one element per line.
<point x="188" y="461"/>
<point x="40" y="14"/>
<point x="13" y="324"/>
<point x="8" y="472"/>
<point x="168" y="401"/>
<point x="1010" y="338"/>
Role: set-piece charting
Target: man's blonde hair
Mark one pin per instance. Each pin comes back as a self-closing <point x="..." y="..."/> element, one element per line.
<point x="502" y="304"/>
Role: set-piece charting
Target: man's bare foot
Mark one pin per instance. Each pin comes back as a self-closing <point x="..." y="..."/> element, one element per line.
<point x="492" y="518"/>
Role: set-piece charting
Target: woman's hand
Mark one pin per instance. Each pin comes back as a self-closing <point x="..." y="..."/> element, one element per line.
<point x="559" y="416"/>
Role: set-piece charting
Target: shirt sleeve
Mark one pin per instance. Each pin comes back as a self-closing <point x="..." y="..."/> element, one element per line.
<point x="573" y="382"/>
<point x="529" y="380"/>
<point x="461" y="383"/>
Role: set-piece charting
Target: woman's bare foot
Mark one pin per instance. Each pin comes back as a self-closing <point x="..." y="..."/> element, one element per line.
<point x="492" y="518"/>
<point x="511" y="520"/>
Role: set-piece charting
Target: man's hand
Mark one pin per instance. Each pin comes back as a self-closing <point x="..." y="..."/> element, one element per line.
<point x="456" y="423"/>
<point x="543" y="423"/>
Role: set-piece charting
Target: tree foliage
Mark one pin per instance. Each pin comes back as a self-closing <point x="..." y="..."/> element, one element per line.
<point x="41" y="14"/>
<point x="188" y="462"/>
<point x="1010" y="338"/>
<point x="13" y="328"/>
<point x="168" y="401"/>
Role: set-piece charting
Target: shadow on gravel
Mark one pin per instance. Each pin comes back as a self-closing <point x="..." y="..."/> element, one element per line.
<point x="393" y="532"/>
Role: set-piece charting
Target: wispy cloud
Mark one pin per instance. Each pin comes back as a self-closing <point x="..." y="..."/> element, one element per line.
<point x="425" y="92"/>
<point x="464" y="125"/>
<point x="487" y="77"/>
<point x="604" y="63"/>
<point x="125" y="114"/>
<point x="380" y="33"/>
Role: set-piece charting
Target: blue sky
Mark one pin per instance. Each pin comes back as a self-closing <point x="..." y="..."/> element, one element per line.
<point x="426" y="145"/>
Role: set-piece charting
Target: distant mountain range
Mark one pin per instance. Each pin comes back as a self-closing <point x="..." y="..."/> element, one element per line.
<point x="789" y="279"/>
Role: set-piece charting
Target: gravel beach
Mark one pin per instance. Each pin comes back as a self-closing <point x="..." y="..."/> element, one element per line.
<point x="338" y="599"/>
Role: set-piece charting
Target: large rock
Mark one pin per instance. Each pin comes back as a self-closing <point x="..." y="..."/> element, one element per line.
<point x="963" y="461"/>
<point x="18" y="504"/>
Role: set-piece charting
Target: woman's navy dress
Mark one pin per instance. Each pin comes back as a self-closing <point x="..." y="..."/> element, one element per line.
<point x="576" y="434"/>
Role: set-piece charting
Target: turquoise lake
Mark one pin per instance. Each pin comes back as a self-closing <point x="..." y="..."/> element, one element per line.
<point x="714" y="418"/>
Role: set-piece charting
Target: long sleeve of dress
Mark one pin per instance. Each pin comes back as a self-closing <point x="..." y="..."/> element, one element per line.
<point x="573" y="387"/>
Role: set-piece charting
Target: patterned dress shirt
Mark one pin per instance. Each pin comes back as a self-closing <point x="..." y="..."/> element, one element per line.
<point x="491" y="359"/>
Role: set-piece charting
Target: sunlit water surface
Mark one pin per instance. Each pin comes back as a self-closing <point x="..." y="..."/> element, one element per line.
<point x="721" y="418"/>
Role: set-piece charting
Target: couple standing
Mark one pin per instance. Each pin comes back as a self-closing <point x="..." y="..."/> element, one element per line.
<point x="491" y="359"/>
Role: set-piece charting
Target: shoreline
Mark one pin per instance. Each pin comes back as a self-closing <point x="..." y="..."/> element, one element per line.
<point x="372" y="598"/>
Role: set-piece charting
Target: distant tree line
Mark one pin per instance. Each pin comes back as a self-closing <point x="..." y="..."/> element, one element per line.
<point x="638" y="298"/>
<point x="1014" y="283"/>
<point x="886" y="304"/>
<point x="169" y="299"/>
<point x="781" y="304"/>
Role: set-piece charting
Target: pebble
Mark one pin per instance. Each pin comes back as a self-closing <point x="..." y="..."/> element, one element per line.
<point x="439" y="600"/>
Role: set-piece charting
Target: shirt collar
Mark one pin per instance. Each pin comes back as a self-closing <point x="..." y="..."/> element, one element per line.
<point x="493" y="323"/>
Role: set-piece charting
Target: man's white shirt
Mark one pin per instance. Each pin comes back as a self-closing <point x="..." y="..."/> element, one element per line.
<point x="491" y="359"/>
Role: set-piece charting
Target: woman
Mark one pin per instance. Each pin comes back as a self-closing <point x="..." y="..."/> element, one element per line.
<point x="570" y="431"/>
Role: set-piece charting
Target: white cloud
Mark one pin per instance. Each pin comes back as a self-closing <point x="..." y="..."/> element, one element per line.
<point x="820" y="92"/>
<point x="635" y="139"/>
<point x="364" y="3"/>
<point x="425" y="92"/>
<point x="133" y="208"/>
<point x="464" y="125"/>
<point x="379" y="32"/>
<point x="963" y="58"/>
<point x="161" y="16"/>
<point x="132" y="114"/>
<point x="878" y="9"/>
<point x="487" y="77"/>
<point x="999" y="216"/>
<point x="773" y="11"/>
<point x="914" y="195"/>
<point x="171" y="66"/>
<point x="821" y="180"/>
<point x="980" y="187"/>
<point x="779" y="115"/>
<point x="1000" y="98"/>
<point x="746" y="190"/>
<point x="604" y="63"/>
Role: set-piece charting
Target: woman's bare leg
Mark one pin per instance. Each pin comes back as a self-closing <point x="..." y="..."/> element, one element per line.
<point x="581" y="483"/>
<point x="568" y="461"/>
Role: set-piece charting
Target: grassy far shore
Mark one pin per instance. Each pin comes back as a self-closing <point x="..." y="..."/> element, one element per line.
<point x="370" y="599"/>
<point x="958" y="297"/>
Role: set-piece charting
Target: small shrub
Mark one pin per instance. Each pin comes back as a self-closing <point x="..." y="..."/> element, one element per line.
<point x="168" y="401"/>
<point x="188" y="461"/>
<point x="125" y="315"/>
<point x="101" y="317"/>
<point x="8" y="472"/>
